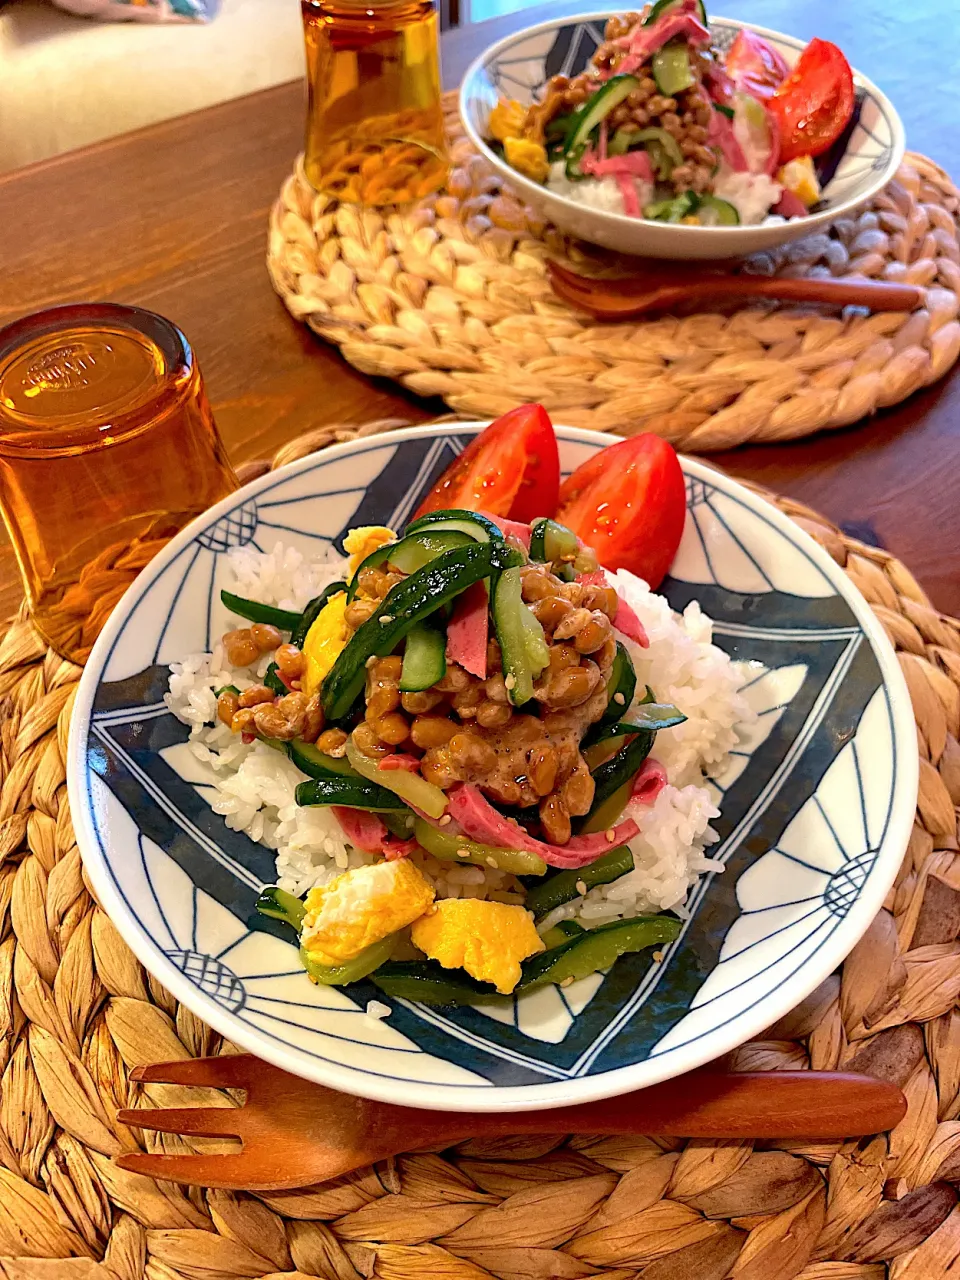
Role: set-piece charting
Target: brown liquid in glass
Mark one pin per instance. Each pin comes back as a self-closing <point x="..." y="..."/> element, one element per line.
<point x="374" y="122"/>
<point x="107" y="448"/>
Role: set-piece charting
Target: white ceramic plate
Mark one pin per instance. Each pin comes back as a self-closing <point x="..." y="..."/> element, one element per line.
<point x="519" y="67"/>
<point x="817" y="806"/>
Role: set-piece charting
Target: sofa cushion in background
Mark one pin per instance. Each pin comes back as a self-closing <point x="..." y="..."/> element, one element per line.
<point x="66" y="81"/>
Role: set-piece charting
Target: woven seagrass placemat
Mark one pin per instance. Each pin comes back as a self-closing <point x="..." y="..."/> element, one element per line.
<point x="450" y="298"/>
<point x="77" y="1012"/>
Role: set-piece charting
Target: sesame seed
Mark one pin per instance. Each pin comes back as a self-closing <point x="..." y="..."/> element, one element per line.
<point x="491" y="862"/>
<point x="510" y="682"/>
<point x="611" y="834"/>
<point x="581" y="887"/>
<point x="372" y="660"/>
<point x="445" y="820"/>
<point x="619" y="699"/>
<point x="658" y="956"/>
<point x="463" y="853"/>
<point x="568" y="980"/>
<point x="385" y="619"/>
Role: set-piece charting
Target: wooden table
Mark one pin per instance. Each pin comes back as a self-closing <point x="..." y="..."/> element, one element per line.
<point x="174" y="218"/>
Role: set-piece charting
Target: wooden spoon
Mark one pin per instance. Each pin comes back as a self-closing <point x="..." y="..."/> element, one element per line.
<point x="684" y="286"/>
<point x="296" y="1133"/>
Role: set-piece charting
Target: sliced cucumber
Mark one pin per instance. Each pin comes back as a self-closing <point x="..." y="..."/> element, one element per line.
<point x="550" y="541"/>
<point x="480" y="528"/>
<point x="578" y="954"/>
<point x="714" y="212"/>
<point x="451" y="849"/>
<point x="271" y="678"/>
<point x="280" y="905"/>
<point x="406" y="605"/>
<point x="675" y="210"/>
<point x="597" y="108"/>
<point x="563" y="885"/>
<point x="338" y="975"/>
<point x="410" y="553"/>
<point x="227" y="688"/>
<point x="665" y="7"/>
<point x="561" y="933"/>
<point x="522" y="642"/>
<point x="424" y="659"/>
<point x="661" y="146"/>
<point x="316" y="763"/>
<point x="352" y="793"/>
<point x="612" y="777"/>
<point x="313" y="611"/>
<point x="254" y="611"/>
<point x="672" y="69"/>
<point x="621" y="687"/>
<point x="410" y="788"/>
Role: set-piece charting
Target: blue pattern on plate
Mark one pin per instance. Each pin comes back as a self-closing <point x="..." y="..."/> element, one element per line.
<point x="191" y="883"/>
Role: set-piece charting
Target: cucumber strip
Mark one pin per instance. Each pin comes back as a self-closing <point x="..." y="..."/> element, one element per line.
<point x="338" y="975"/>
<point x="607" y="814"/>
<point x="621" y="687"/>
<point x="562" y="887"/>
<point x="316" y="763"/>
<point x="596" y="109"/>
<point x="410" y="553"/>
<point x="674" y="210"/>
<point x="280" y="905"/>
<point x="352" y="793"/>
<point x="550" y="541"/>
<point x="672" y="70"/>
<point x="664" y="7"/>
<point x="313" y="611"/>
<point x="714" y="212"/>
<point x="561" y="933"/>
<point x="609" y="778"/>
<point x="450" y="848"/>
<point x="424" y="659"/>
<point x="271" y="678"/>
<point x="580" y="954"/>
<point x="522" y="642"/>
<point x="227" y="688"/>
<point x="480" y="528"/>
<point x="410" y="788"/>
<point x="663" y="716"/>
<point x="254" y="611"/>
<point x="407" y="604"/>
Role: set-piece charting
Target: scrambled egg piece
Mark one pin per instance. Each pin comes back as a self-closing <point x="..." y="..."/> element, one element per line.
<point x="325" y="642"/>
<point x="527" y="157"/>
<point x="362" y="542"/>
<point x="506" y="119"/>
<point x="799" y="176"/>
<point x="488" y="939"/>
<point x="361" y="907"/>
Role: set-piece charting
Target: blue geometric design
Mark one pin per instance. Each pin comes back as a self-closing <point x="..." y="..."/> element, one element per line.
<point x="233" y="530"/>
<point x="186" y="884"/>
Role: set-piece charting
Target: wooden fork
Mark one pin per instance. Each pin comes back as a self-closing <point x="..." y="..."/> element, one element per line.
<point x="296" y="1133"/>
<point x="695" y="285"/>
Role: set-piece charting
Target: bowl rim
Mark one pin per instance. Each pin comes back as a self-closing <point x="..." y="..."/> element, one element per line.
<point x="622" y="220"/>
<point x="489" y="1097"/>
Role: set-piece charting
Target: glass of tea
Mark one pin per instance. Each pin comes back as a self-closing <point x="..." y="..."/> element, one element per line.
<point x="107" y="448"/>
<point x="375" y="131"/>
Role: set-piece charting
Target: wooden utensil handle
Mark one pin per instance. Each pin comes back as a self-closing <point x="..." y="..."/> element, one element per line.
<point x="706" y="1104"/>
<point x="878" y="295"/>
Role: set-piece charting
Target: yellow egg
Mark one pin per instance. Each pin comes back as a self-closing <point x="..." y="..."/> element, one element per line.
<point x="506" y="119"/>
<point x="800" y="177"/>
<point x="361" y="907"/>
<point x="527" y="157"/>
<point x="488" y="939"/>
<point x="361" y="542"/>
<point x="325" y="642"/>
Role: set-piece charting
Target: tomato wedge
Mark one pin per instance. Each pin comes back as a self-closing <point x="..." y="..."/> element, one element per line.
<point x="754" y="65"/>
<point x="815" y="102"/>
<point x="512" y="469"/>
<point x="629" y="503"/>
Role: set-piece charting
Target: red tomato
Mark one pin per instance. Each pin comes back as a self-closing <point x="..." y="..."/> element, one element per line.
<point x="512" y="469"/>
<point x="815" y="102"/>
<point x="755" y="65"/>
<point x="629" y="503"/>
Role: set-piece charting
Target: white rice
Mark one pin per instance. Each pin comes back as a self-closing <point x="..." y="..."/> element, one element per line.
<point x="753" y="195"/>
<point x="255" y="784"/>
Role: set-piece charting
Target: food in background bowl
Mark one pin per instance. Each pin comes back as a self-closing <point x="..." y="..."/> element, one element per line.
<point x="665" y="125"/>
<point x="480" y="756"/>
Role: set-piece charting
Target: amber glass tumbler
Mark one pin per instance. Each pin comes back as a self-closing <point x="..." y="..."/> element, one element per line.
<point x="374" y="120"/>
<point x="107" y="448"/>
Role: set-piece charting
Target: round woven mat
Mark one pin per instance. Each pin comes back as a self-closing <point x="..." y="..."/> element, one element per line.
<point x="77" y="1012"/>
<point x="451" y="299"/>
